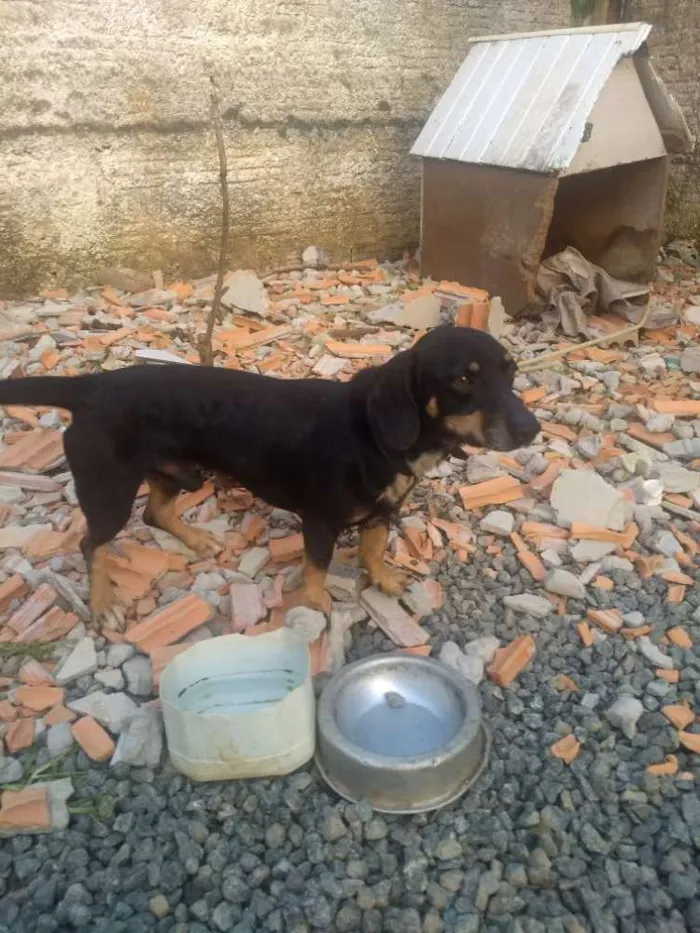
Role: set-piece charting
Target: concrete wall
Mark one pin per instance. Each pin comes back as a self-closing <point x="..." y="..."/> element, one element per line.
<point x="106" y="156"/>
<point x="675" y="47"/>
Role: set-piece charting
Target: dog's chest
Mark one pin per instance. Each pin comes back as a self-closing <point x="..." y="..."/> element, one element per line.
<point x="403" y="485"/>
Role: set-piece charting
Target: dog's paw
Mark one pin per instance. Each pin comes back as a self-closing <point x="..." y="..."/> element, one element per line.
<point x="203" y="543"/>
<point x="113" y="618"/>
<point x="390" y="581"/>
<point x="313" y="599"/>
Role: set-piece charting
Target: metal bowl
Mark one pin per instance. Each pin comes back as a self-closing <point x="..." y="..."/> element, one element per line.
<point x="402" y="731"/>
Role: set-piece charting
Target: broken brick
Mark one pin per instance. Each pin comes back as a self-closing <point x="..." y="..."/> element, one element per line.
<point x="492" y="492"/>
<point x="57" y="714"/>
<point x="25" y="810"/>
<point x="672" y="676"/>
<point x="610" y="620"/>
<point x="161" y="657"/>
<point x="288" y="549"/>
<point x="247" y="606"/>
<point x="393" y="619"/>
<point x="690" y="740"/>
<point x="682" y="408"/>
<point x="679" y="637"/>
<point x="41" y="599"/>
<point x="53" y="625"/>
<point x="585" y="634"/>
<point x="92" y="738"/>
<point x="39" y="699"/>
<point x="39" y="450"/>
<point x="20" y="735"/>
<point x="680" y="716"/>
<point x="13" y="588"/>
<point x="667" y="767"/>
<point x="8" y="712"/>
<point x="170" y="624"/>
<point x="567" y="748"/>
<point x="509" y="661"/>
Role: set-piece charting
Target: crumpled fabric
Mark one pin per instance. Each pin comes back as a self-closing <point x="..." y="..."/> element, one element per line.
<point x="570" y="289"/>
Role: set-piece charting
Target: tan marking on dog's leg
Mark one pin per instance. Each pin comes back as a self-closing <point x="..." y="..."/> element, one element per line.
<point x="313" y="587"/>
<point x="432" y="407"/>
<point x="160" y="511"/>
<point x="467" y="427"/>
<point x="104" y="606"/>
<point x="373" y="542"/>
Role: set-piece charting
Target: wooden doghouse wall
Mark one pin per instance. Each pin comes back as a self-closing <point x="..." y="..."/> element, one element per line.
<point x="485" y="226"/>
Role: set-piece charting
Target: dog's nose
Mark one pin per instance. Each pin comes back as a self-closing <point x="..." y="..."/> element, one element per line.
<point x="523" y="426"/>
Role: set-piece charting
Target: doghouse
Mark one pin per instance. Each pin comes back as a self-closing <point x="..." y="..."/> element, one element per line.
<point x="542" y="141"/>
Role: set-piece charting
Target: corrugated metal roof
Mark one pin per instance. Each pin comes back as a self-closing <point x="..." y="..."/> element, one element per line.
<point x="522" y="101"/>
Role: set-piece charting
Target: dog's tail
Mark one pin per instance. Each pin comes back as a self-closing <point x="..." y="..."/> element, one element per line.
<point x="54" y="391"/>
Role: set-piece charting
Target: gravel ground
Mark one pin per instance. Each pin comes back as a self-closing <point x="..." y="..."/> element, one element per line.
<point x="536" y="847"/>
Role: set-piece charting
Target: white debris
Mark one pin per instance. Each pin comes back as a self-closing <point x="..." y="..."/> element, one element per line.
<point x="589" y="552"/>
<point x="624" y="715"/>
<point x="667" y="544"/>
<point x="584" y="496"/>
<point x="528" y="603"/>
<point x="81" y="661"/>
<point x="309" y="623"/>
<point x="471" y="667"/>
<point x="253" y="561"/>
<point x="498" y="522"/>
<point x="117" y="654"/>
<point x="112" y="678"/>
<point x="564" y="583"/>
<point x="484" y="648"/>
<point x="690" y="360"/>
<point x="141" y="739"/>
<point x="654" y="654"/>
<point x="111" y="710"/>
<point x="245" y="292"/>
<point x="59" y="739"/>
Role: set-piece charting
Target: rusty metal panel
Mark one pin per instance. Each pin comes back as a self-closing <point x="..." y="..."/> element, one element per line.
<point x="486" y="227"/>
<point x="522" y="101"/>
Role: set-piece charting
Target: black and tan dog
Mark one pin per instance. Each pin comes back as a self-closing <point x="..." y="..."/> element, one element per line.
<point x="336" y="453"/>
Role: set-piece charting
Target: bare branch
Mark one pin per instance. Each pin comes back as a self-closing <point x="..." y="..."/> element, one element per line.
<point x="206" y="352"/>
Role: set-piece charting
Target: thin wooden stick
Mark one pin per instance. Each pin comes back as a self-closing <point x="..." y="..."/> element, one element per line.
<point x="542" y="361"/>
<point x="206" y="351"/>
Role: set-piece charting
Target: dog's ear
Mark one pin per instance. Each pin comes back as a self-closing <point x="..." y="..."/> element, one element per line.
<point x="391" y="408"/>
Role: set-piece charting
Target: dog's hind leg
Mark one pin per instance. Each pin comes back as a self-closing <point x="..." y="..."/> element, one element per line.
<point x="161" y="512"/>
<point x="106" y="489"/>
<point x="374" y="538"/>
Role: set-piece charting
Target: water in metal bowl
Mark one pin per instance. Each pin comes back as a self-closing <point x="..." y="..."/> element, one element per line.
<point x="403" y="731"/>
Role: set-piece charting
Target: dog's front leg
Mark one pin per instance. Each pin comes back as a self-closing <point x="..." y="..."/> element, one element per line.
<point x="374" y="538"/>
<point x="319" y="541"/>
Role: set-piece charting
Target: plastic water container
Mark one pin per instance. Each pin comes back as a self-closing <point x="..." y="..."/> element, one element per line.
<point x="240" y="707"/>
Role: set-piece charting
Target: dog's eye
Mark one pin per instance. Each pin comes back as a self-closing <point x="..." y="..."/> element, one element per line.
<point x="462" y="382"/>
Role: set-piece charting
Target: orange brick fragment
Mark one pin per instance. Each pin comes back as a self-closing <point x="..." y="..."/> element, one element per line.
<point x="357" y="351"/>
<point x="92" y="738"/>
<point x="39" y="450"/>
<point x="679" y="637"/>
<point x="680" y="716"/>
<point x="161" y="657"/>
<point x="53" y="625"/>
<point x="566" y="748"/>
<point x="39" y="699"/>
<point x="532" y="564"/>
<point x="669" y="766"/>
<point x="170" y="624"/>
<point x="584" y="631"/>
<point x="632" y="633"/>
<point x="492" y="492"/>
<point x="545" y="480"/>
<point x="8" y="712"/>
<point x="41" y="599"/>
<point x="422" y="651"/>
<point x="59" y="713"/>
<point x="35" y="674"/>
<point x="13" y="588"/>
<point x="676" y="594"/>
<point x="673" y="576"/>
<point x="604" y="583"/>
<point x="564" y="682"/>
<point x="20" y="735"/>
<point x="683" y="408"/>
<point x="285" y="550"/>
<point x="690" y="740"/>
<point x="26" y="810"/>
<point x="511" y="660"/>
<point x="563" y="431"/>
<point x="530" y="396"/>
<point x="610" y="620"/>
<point x="671" y="676"/>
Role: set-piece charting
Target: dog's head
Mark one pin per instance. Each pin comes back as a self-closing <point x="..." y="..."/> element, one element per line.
<point x="454" y="385"/>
